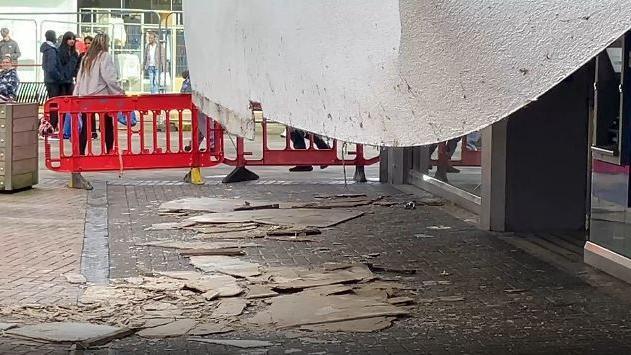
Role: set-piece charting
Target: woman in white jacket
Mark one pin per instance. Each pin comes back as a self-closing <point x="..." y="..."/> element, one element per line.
<point x="97" y="76"/>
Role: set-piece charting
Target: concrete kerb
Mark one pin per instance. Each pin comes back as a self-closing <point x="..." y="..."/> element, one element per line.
<point x="95" y="254"/>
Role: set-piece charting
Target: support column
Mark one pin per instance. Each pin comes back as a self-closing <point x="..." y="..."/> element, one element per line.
<point x="398" y="162"/>
<point x="534" y="163"/>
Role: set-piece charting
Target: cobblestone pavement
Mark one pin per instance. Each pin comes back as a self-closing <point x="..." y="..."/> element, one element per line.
<point x="509" y="300"/>
<point x="41" y="234"/>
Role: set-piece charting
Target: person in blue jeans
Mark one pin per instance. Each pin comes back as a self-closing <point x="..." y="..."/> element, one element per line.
<point x="154" y="62"/>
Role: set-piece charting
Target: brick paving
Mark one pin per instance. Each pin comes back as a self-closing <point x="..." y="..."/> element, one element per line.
<point x="42" y="235"/>
<point x="513" y="302"/>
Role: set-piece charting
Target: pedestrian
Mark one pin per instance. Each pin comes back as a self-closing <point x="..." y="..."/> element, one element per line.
<point x="298" y="139"/>
<point x="87" y="42"/>
<point x="97" y="76"/>
<point x="9" y="46"/>
<point x="8" y="80"/>
<point x="451" y="146"/>
<point x="154" y="61"/>
<point x="52" y="74"/>
<point x="202" y="119"/>
<point x="69" y="60"/>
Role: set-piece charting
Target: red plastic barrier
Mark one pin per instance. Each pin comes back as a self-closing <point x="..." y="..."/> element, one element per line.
<point x="143" y="146"/>
<point x="291" y="157"/>
<point x="468" y="157"/>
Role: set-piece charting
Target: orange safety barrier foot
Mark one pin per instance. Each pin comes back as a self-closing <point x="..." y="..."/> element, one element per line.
<point x="77" y="181"/>
<point x="240" y="174"/>
<point x="360" y="174"/>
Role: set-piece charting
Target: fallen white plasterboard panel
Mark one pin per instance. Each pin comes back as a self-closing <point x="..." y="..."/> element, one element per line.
<point x="365" y="325"/>
<point x="63" y="332"/>
<point x="388" y="72"/>
<point x="238" y="343"/>
<point x="229" y="307"/>
<point x="212" y="204"/>
<point x="196" y="245"/>
<point x="170" y="330"/>
<point x="226" y="265"/>
<point x="311" y="308"/>
<point x="292" y="217"/>
<point x="210" y="328"/>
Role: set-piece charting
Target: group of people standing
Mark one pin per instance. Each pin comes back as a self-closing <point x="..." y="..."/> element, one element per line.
<point x="9" y="54"/>
<point x="90" y="73"/>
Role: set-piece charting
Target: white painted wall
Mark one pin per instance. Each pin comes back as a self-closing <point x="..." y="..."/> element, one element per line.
<point x="29" y="30"/>
<point x="388" y="72"/>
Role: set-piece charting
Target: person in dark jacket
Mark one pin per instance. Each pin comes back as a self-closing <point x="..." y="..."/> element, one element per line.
<point x="52" y="72"/>
<point x="8" y="80"/>
<point x="69" y="61"/>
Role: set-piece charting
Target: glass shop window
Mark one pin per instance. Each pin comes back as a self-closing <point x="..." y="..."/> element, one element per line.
<point x="612" y="99"/>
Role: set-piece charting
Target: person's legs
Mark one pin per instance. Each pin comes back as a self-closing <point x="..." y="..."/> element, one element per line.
<point x="320" y="143"/>
<point x="202" y="126"/>
<point x="83" y="134"/>
<point x="109" y="132"/>
<point x="153" y="79"/>
<point x="94" y="127"/>
<point x="452" y="144"/>
<point x="66" y="89"/>
<point x="298" y="139"/>
<point x="53" y="91"/>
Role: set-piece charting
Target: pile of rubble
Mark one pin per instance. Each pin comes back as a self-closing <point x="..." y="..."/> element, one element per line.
<point x="226" y="293"/>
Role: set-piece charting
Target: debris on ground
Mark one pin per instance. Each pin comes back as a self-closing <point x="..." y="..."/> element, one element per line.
<point x="213" y="205"/>
<point x="62" y="332"/>
<point x="210" y="328"/>
<point x="410" y="205"/>
<point x="226" y="293"/>
<point x="75" y="278"/>
<point x="226" y="265"/>
<point x="440" y="227"/>
<point x="308" y="308"/>
<point x="7" y="326"/>
<point x="330" y="203"/>
<point x="292" y="231"/>
<point x="302" y="217"/>
<point x="230" y="307"/>
<point x="169" y="226"/>
<point x="238" y="343"/>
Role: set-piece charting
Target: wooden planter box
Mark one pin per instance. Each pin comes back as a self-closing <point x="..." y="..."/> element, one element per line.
<point x="18" y="146"/>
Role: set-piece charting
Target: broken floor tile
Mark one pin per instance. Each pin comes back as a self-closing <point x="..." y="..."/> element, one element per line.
<point x="260" y="291"/>
<point x="7" y="326"/>
<point x="169" y="330"/>
<point x="239" y="343"/>
<point x="229" y="307"/>
<point x="291" y="217"/>
<point x="75" y="278"/>
<point x="211" y="204"/>
<point x="62" y="332"/>
<point x="210" y="328"/>
<point x="226" y="265"/>
<point x="309" y="308"/>
<point x="365" y="325"/>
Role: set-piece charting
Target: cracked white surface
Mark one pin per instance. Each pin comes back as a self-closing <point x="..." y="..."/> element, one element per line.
<point x="388" y="72"/>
